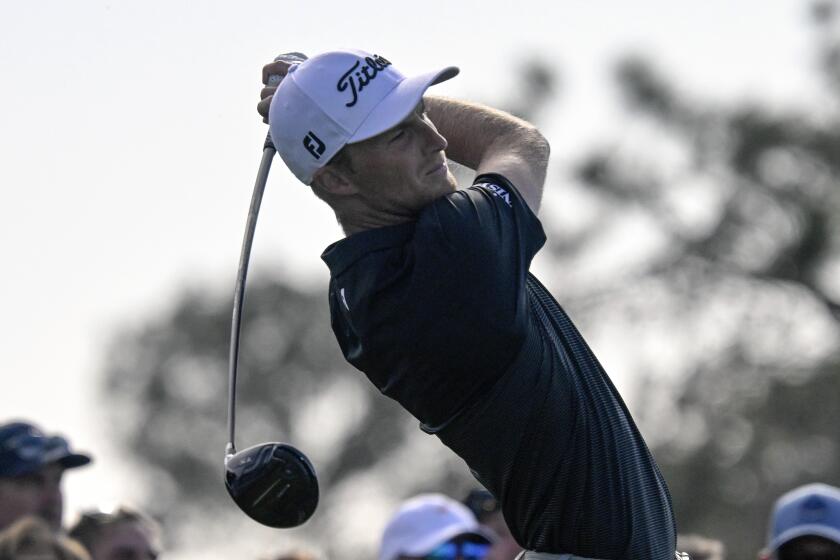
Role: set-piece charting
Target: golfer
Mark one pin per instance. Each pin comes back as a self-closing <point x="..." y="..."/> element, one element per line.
<point x="431" y="298"/>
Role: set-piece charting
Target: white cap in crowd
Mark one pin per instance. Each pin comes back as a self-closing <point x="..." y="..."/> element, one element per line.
<point x="423" y="523"/>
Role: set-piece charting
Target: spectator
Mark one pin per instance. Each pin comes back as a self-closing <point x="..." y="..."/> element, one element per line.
<point x="124" y="534"/>
<point x="432" y="527"/>
<point x="701" y="548"/>
<point x="487" y="510"/>
<point x="32" y="538"/>
<point x="805" y="525"/>
<point x="31" y="468"/>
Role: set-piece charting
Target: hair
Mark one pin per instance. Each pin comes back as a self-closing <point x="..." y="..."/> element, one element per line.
<point x="701" y="548"/>
<point x="482" y="504"/>
<point x="796" y="547"/>
<point x="92" y="525"/>
<point x="341" y="161"/>
<point x="31" y="536"/>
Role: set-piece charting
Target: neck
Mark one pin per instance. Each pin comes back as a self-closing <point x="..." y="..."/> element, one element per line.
<point x="355" y="217"/>
<point x="356" y="224"/>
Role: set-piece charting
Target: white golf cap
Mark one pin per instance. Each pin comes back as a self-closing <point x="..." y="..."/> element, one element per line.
<point x="423" y="523"/>
<point x="339" y="98"/>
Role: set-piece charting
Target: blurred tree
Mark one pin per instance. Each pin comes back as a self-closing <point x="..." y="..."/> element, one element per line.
<point x="738" y="291"/>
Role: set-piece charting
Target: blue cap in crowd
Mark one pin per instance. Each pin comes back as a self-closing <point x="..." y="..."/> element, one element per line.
<point x="813" y="509"/>
<point x="25" y="449"/>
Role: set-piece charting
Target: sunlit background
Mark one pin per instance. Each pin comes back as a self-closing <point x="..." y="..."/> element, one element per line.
<point x="692" y="203"/>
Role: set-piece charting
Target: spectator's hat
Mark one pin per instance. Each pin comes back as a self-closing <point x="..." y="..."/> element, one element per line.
<point x="425" y="522"/>
<point x="25" y="449"/>
<point x="813" y="509"/>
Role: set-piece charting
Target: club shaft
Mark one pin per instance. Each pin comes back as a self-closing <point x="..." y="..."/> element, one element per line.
<point x="239" y="291"/>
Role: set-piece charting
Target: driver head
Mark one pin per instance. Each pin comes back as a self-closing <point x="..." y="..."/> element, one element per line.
<point x="273" y="483"/>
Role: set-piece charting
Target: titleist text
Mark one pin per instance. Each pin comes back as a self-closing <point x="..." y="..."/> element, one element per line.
<point x="360" y="76"/>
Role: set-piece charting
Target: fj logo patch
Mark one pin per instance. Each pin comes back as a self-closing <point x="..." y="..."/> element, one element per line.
<point x="314" y="145"/>
<point x="497" y="191"/>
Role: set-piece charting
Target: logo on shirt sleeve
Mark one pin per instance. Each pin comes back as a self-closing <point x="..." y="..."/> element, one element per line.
<point x="497" y="191"/>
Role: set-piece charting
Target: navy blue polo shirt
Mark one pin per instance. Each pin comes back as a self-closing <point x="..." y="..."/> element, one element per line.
<point x="443" y="316"/>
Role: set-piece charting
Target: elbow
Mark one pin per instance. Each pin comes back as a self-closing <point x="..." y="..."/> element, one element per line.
<point x="538" y="147"/>
<point x="542" y="146"/>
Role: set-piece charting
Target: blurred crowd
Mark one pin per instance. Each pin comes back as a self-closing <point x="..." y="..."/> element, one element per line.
<point x="32" y="466"/>
<point x="804" y="523"/>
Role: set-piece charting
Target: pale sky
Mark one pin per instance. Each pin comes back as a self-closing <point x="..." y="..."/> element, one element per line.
<point x="129" y="144"/>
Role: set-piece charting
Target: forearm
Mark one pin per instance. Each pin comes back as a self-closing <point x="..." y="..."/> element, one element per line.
<point x="474" y="131"/>
<point x="489" y="140"/>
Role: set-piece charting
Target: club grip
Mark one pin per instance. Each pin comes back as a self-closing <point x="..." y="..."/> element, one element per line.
<point x="274" y="79"/>
<point x="291" y="58"/>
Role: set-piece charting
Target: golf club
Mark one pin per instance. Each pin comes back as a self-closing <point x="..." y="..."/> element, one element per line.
<point x="273" y="483"/>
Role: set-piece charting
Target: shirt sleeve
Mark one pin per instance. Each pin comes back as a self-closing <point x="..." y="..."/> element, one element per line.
<point x="512" y="220"/>
<point x="485" y="237"/>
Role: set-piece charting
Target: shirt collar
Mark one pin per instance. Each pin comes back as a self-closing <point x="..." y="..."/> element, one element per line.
<point x="340" y="255"/>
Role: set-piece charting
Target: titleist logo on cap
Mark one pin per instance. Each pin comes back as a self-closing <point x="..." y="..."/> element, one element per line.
<point x="356" y="78"/>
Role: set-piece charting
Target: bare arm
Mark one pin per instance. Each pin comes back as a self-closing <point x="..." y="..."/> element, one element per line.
<point x="488" y="140"/>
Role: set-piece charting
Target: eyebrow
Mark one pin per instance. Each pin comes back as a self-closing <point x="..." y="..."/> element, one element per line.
<point x="418" y="110"/>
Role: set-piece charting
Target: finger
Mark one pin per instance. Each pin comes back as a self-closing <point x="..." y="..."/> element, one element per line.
<point x="280" y="68"/>
<point x="267" y="91"/>
<point x="262" y="107"/>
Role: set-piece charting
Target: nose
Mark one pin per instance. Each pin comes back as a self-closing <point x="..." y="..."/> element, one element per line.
<point x="436" y="142"/>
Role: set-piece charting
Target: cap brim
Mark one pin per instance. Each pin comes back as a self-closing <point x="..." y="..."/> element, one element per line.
<point x="805" y="530"/>
<point x="399" y="103"/>
<point x="69" y="461"/>
<point x="74" y="460"/>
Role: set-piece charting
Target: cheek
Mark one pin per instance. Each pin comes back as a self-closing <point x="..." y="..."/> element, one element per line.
<point x="19" y="501"/>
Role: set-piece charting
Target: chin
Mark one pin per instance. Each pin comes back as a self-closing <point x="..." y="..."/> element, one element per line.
<point x="446" y="184"/>
<point x="451" y="181"/>
<point x="446" y="187"/>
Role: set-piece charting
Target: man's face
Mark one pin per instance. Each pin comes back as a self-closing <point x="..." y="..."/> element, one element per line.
<point x="38" y="494"/>
<point x="403" y="169"/>
<point x="128" y="540"/>
<point x="809" y="548"/>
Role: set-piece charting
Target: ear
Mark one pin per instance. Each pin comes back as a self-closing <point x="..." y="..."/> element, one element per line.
<point x="334" y="181"/>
